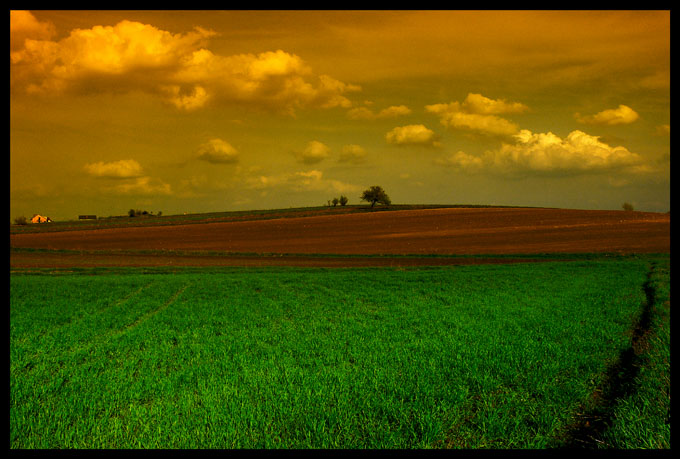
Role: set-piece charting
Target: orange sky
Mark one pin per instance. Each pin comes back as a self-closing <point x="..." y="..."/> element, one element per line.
<point x="196" y="111"/>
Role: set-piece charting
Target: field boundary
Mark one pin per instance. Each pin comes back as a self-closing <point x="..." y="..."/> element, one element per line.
<point x="32" y="259"/>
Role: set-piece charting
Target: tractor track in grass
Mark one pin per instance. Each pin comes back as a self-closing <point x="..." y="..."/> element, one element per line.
<point x="153" y="312"/>
<point x="595" y="415"/>
<point x="60" y="370"/>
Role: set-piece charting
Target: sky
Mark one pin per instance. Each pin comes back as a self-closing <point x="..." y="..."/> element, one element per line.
<point x="210" y="111"/>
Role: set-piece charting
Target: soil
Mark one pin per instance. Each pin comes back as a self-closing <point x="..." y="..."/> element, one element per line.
<point x="447" y="231"/>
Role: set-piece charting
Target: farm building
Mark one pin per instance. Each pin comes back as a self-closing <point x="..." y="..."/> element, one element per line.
<point x="37" y="218"/>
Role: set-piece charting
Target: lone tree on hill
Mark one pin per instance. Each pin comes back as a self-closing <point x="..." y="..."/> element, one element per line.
<point x="376" y="194"/>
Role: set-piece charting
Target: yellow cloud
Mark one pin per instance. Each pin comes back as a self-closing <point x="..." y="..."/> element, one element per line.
<point x="136" y="56"/>
<point x="621" y="115"/>
<point x="144" y="186"/>
<point x="314" y="152"/>
<point x="483" y="124"/>
<point x="23" y="25"/>
<point x="413" y="134"/>
<point x="217" y="151"/>
<point x="478" y="104"/>
<point x="197" y="97"/>
<point x="461" y="160"/>
<point x="478" y="113"/>
<point x="125" y="168"/>
<point x="363" y="113"/>
<point x="131" y="180"/>
<point x="352" y="154"/>
<point x="312" y="180"/>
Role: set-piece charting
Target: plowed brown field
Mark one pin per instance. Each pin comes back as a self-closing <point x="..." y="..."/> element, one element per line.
<point x="418" y="232"/>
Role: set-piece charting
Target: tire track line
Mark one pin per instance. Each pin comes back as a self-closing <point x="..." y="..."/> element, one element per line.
<point x="31" y="359"/>
<point x="152" y="313"/>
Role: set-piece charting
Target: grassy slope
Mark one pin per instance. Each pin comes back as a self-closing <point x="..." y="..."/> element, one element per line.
<point x="314" y="358"/>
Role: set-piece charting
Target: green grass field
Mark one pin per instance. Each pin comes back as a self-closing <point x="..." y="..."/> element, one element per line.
<point x="487" y="356"/>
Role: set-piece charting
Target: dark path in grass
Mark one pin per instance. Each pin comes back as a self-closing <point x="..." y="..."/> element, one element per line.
<point x="619" y="382"/>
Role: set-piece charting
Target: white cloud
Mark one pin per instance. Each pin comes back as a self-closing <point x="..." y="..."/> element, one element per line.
<point x="548" y="154"/>
<point x="178" y="67"/>
<point x="413" y="134"/>
<point x="217" y="151"/>
<point x="313" y="153"/>
<point x="478" y="114"/>
<point x="125" y="168"/>
<point x="621" y="115"/>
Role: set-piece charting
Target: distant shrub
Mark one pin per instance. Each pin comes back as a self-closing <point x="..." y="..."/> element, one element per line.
<point x="139" y="213"/>
<point x="343" y="200"/>
<point x="20" y="221"/>
<point x="627" y="206"/>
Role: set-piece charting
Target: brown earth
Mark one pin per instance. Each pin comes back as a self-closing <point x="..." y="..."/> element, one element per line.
<point x="454" y="231"/>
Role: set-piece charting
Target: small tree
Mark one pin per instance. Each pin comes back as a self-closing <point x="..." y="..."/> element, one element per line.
<point x="376" y="194"/>
<point x="343" y="200"/>
<point x="627" y="206"/>
<point x="20" y="221"/>
<point x="335" y="202"/>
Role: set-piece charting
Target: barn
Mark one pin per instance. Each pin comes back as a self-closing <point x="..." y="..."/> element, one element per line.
<point x="37" y="218"/>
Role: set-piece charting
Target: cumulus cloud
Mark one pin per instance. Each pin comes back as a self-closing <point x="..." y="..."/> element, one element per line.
<point x="352" y="154"/>
<point x="478" y="114"/>
<point x="130" y="178"/>
<point x="178" y="67"/>
<point x="125" y="168"/>
<point x="621" y="115"/>
<point x="413" y="134"/>
<point x="313" y="153"/>
<point x="23" y="25"/>
<point x="478" y="104"/>
<point x="363" y="113"/>
<point x="548" y="154"/>
<point x="217" y="151"/>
